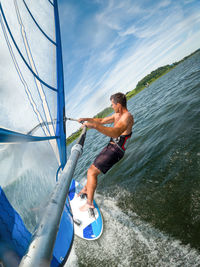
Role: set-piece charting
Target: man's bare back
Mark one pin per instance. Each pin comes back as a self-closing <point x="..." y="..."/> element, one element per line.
<point x="126" y="118"/>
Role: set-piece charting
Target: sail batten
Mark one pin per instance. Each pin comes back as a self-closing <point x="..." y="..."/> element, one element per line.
<point x="51" y="2"/>
<point x="22" y="78"/>
<point x="38" y="24"/>
<point x="43" y="82"/>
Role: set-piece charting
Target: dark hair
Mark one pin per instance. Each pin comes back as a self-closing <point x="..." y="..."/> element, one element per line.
<point x="119" y="98"/>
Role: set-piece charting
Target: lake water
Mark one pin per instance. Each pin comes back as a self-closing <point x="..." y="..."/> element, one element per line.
<point x="150" y="200"/>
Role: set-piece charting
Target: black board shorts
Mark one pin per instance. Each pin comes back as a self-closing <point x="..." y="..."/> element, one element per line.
<point x="110" y="155"/>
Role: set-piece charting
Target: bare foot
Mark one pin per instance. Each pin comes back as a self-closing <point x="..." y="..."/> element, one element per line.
<point x="86" y="207"/>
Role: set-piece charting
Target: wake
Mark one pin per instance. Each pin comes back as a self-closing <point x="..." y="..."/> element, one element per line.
<point x="129" y="241"/>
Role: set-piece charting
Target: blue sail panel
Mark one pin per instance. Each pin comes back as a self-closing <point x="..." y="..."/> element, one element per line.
<point x="13" y="232"/>
<point x="7" y="136"/>
<point x="15" y="237"/>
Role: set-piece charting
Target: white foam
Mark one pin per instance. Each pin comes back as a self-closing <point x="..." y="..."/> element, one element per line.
<point x="129" y="241"/>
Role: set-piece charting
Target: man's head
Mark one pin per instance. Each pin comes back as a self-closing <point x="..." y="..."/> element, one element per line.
<point x="116" y="99"/>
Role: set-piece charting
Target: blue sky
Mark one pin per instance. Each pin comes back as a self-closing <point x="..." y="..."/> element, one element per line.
<point x="109" y="45"/>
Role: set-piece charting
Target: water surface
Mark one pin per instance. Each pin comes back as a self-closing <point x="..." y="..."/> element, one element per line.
<point x="150" y="200"/>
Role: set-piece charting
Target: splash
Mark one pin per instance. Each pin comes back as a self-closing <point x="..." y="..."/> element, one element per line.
<point x="129" y="241"/>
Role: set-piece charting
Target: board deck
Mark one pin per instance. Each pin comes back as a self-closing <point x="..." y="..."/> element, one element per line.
<point x="86" y="226"/>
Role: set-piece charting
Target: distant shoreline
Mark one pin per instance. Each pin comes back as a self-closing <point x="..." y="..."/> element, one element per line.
<point x="144" y="83"/>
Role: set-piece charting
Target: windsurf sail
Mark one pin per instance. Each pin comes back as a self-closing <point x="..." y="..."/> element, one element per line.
<point x="33" y="109"/>
<point x="32" y="83"/>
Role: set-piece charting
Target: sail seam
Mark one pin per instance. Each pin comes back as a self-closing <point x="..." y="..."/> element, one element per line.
<point x="6" y="23"/>
<point x="38" y="24"/>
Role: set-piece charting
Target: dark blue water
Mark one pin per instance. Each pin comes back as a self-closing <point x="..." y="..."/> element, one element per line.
<point x="150" y="200"/>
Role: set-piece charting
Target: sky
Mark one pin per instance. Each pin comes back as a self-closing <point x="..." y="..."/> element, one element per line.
<point x="109" y="45"/>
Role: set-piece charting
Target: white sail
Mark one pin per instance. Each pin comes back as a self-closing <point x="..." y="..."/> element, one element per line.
<point x="32" y="109"/>
<point x="30" y="86"/>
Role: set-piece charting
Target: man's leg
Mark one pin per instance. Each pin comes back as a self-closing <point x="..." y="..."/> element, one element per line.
<point x="91" y="185"/>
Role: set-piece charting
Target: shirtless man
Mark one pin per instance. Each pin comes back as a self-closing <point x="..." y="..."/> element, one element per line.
<point x="114" y="151"/>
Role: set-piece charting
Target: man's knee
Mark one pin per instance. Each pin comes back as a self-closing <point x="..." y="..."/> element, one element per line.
<point x="93" y="170"/>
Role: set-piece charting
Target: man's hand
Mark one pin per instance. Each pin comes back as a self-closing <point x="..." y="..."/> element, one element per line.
<point x="88" y="122"/>
<point x="89" y="125"/>
<point x="81" y="120"/>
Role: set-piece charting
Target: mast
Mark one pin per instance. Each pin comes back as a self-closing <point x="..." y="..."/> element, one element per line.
<point x="41" y="248"/>
<point x="61" y="126"/>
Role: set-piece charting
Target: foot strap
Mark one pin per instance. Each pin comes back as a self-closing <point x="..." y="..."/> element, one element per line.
<point x="91" y="213"/>
<point x="83" y="196"/>
<point x="77" y="222"/>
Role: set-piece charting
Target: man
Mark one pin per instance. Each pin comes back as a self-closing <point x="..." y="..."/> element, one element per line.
<point x="114" y="151"/>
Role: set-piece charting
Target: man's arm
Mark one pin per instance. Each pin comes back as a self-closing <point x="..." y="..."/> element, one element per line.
<point x="105" y="120"/>
<point x="115" y="131"/>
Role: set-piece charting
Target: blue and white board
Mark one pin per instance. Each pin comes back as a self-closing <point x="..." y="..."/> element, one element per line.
<point x="85" y="226"/>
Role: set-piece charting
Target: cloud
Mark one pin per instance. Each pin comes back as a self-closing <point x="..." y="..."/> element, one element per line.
<point x="116" y="14"/>
<point x="69" y="14"/>
<point x="129" y="31"/>
<point x="164" y="3"/>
